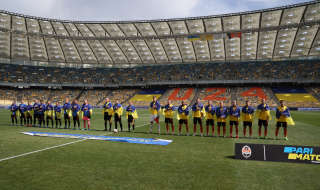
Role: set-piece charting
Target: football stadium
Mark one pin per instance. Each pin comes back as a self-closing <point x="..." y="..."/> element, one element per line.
<point x="228" y="101"/>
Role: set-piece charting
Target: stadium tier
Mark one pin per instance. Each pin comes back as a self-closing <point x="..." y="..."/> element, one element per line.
<point x="142" y="98"/>
<point x="297" y="97"/>
<point x="180" y="73"/>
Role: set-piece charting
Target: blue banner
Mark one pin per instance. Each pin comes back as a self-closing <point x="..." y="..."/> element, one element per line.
<point x="104" y="138"/>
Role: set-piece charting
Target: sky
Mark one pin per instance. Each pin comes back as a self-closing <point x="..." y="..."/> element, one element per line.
<point x="123" y="10"/>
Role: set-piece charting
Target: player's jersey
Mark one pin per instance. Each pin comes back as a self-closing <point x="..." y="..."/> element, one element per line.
<point x="197" y="110"/>
<point x="210" y="111"/>
<point x="107" y="108"/>
<point x="66" y="108"/>
<point x="131" y="110"/>
<point x="155" y="108"/>
<point x="87" y="110"/>
<point x="183" y="112"/>
<point x="168" y="111"/>
<point x="29" y="109"/>
<point x="234" y="113"/>
<point x="57" y="111"/>
<point x="75" y="109"/>
<point x="222" y="114"/>
<point x="22" y="108"/>
<point x="282" y="113"/>
<point x="263" y="111"/>
<point x="13" y="108"/>
<point x="42" y="109"/>
<point x="49" y="110"/>
<point x="36" y="108"/>
<point x="247" y="113"/>
<point x="117" y="108"/>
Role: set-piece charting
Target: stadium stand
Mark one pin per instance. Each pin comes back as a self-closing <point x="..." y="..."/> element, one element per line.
<point x="216" y="95"/>
<point x="144" y="97"/>
<point x="254" y="95"/>
<point x="296" y="97"/>
<point x="123" y="95"/>
<point x="278" y="45"/>
<point x="176" y="95"/>
<point x="254" y="71"/>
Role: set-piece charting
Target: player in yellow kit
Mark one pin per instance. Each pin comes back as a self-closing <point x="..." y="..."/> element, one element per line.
<point x="263" y="113"/>
<point x="283" y="119"/>
<point x="183" y="116"/>
<point x="168" y="116"/>
<point x="247" y="118"/>
<point x="210" y="112"/>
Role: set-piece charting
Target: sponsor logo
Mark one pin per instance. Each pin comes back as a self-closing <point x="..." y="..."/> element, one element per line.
<point x="246" y="151"/>
<point x="301" y="153"/>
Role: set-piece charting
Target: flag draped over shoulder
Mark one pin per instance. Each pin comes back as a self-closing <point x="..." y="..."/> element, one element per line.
<point x="263" y="112"/>
<point x="283" y="115"/>
<point x="134" y="114"/>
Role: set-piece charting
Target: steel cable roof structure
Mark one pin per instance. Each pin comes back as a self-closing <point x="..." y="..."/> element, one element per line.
<point x="288" y="32"/>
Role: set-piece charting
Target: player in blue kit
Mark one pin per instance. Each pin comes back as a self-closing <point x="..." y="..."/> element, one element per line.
<point x="58" y="114"/>
<point x="75" y="107"/>
<point x="23" y="110"/>
<point x="29" y="114"/>
<point x="67" y="113"/>
<point x="49" y="113"/>
<point x="42" y="109"/>
<point x="36" y="112"/>
<point x="14" y="109"/>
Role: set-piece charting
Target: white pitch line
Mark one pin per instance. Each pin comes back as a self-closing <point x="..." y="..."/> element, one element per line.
<point x="25" y="154"/>
<point x="57" y="146"/>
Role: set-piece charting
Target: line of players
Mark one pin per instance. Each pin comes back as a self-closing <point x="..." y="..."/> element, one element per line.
<point x="220" y="114"/>
<point x="47" y="112"/>
<point x="43" y="113"/>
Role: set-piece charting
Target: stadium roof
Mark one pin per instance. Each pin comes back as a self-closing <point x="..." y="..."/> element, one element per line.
<point x="269" y="34"/>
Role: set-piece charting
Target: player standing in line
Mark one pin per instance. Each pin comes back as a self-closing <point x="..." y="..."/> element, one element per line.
<point x="118" y="110"/>
<point x="87" y="113"/>
<point x="222" y="114"/>
<point x="75" y="107"/>
<point x="155" y="113"/>
<point x="247" y="118"/>
<point x="49" y="113"/>
<point x="197" y="113"/>
<point x="14" y="109"/>
<point x="283" y="119"/>
<point x="22" y="110"/>
<point x="131" y="113"/>
<point x="42" y="109"/>
<point x="107" y="114"/>
<point x="67" y="113"/>
<point x="183" y="116"/>
<point x="263" y="112"/>
<point x="168" y="116"/>
<point x="57" y="114"/>
<point x="36" y="106"/>
<point x="234" y="117"/>
<point x="210" y="112"/>
<point x="29" y="114"/>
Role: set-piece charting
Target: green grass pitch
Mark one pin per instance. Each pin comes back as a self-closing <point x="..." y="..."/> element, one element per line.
<point x="187" y="163"/>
